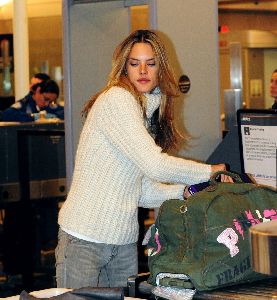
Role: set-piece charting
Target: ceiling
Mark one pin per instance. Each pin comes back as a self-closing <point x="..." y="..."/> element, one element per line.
<point x="253" y="5"/>
<point x="35" y="8"/>
<point x="40" y="8"/>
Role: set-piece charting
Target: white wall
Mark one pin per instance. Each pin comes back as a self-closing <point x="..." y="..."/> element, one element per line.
<point x="270" y="64"/>
<point x="191" y="29"/>
<point x="91" y="33"/>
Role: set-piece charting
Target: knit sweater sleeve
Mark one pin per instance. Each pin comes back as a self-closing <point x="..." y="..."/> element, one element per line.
<point x="122" y="122"/>
<point x="153" y="194"/>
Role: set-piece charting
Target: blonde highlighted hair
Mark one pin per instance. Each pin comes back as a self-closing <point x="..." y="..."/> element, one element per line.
<point x="162" y="121"/>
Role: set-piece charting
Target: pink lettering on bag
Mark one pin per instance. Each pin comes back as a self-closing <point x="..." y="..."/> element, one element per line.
<point x="229" y="238"/>
<point x="238" y="228"/>
<point x="270" y="214"/>
<point x="251" y="218"/>
<point x="156" y="237"/>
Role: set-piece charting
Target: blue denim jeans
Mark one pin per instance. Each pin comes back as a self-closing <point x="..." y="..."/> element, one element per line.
<point x="80" y="263"/>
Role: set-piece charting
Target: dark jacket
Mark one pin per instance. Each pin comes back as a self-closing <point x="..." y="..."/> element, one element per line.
<point x="23" y="110"/>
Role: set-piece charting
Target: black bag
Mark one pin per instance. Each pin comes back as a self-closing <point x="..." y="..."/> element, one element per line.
<point x="206" y="237"/>
<point x="87" y="293"/>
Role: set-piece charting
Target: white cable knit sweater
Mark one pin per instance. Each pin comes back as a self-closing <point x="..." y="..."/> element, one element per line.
<point x="119" y="167"/>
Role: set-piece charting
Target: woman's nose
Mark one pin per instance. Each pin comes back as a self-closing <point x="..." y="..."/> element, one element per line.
<point x="143" y="69"/>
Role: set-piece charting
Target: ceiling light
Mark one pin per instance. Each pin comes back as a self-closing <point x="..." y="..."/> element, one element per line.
<point x="4" y="2"/>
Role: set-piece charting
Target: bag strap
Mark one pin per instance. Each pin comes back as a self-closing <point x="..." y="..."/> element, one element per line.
<point x="234" y="176"/>
<point x="176" y="282"/>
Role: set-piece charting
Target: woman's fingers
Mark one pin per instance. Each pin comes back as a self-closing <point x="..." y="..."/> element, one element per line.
<point x="226" y="178"/>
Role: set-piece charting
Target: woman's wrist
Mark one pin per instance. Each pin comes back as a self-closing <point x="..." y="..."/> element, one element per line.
<point x="217" y="168"/>
<point x="186" y="192"/>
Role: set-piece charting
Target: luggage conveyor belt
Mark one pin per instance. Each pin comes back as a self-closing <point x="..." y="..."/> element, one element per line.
<point x="265" y="289"/>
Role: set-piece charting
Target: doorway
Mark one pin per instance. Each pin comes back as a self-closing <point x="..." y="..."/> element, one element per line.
<point x="252" y="24"/>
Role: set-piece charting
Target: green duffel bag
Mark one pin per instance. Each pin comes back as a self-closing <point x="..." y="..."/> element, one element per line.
<point x="203" y="242"/>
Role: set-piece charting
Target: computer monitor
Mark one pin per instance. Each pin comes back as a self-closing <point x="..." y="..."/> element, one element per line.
<point x="257" y="130"/>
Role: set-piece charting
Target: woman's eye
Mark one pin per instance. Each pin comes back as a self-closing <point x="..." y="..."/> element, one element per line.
<point x="151" y="64"/>
<point x="133" y="63"/>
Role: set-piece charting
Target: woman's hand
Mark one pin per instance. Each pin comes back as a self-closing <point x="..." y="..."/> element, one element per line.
<point x="215" y="169"/>
<point x="186" y="192"/>
<point x="223" y="177"/>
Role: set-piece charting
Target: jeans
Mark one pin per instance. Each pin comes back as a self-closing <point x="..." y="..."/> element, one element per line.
<point x="81" y="263"/>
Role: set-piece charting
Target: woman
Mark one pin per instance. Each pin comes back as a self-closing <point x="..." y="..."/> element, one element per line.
<point x="121" y="163"/>
<point x="42" y="97"/>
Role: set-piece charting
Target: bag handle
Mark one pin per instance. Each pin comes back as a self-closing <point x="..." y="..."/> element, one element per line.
<point x="234" y="176"/>
<point x="174" y="280"/>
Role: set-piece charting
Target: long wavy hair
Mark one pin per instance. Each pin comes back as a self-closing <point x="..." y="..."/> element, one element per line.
<point x="162" y="126"/>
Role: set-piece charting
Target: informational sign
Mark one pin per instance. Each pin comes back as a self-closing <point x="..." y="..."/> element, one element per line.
<point x="258" y="144"/>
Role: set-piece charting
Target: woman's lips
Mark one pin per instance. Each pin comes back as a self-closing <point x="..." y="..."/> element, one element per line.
<point x="143" y="80"/>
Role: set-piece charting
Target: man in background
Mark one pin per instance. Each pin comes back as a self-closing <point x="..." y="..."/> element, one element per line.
<point x="38" y="78"/>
